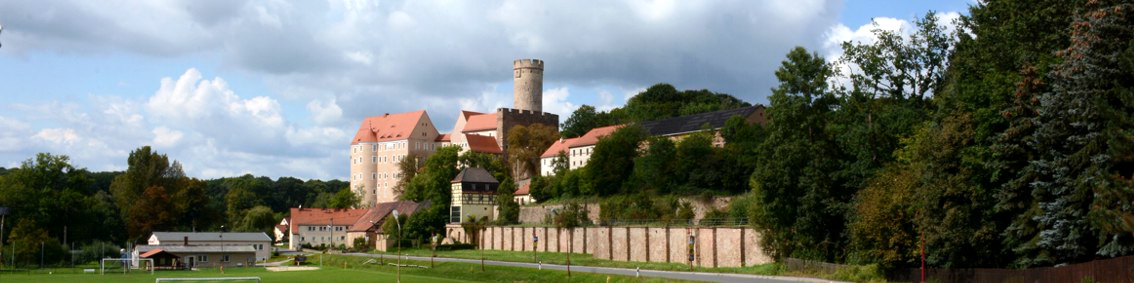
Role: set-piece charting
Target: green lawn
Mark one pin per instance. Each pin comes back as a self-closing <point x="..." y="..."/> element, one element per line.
<point x="588" y="260"/>
<point x="339" y="269"/>
<point x="325" y="275"/>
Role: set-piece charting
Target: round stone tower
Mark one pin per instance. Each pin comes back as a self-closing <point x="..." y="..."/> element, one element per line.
<point x="528" y="84"/>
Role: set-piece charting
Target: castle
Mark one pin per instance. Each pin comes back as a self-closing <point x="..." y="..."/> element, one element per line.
<point x="383" y="141"/>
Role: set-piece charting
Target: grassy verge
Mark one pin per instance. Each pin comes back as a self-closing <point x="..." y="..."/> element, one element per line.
<point x="473" y="272"/>
<point x="588" y="260"/>
<point x="867" y="273"/>
<point x="324" y="275"/>
<point x="340" y="269"/>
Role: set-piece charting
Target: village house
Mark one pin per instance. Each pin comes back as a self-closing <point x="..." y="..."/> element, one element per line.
<point x="205" y="249"/>
<point x="315" y="227"/>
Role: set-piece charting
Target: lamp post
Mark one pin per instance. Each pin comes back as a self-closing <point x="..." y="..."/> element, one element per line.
<point x="221" y="235"/>
<point x="373" y="225"/>
<point x="396" y="221"/>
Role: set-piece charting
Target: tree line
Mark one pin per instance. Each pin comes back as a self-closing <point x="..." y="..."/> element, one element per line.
<point x="1004" y="144"/>
<point x="52" y="202"/>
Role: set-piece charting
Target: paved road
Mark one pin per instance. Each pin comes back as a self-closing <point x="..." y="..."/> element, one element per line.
<point x="689" y="276"/>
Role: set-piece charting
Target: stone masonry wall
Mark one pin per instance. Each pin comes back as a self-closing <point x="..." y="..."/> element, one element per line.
<point x="715" y="247"/>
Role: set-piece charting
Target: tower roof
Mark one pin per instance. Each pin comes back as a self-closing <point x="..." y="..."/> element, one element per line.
<point x="475" y="175"/>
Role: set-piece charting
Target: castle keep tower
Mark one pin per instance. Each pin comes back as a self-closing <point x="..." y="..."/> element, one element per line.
<point x="528" y="84"/>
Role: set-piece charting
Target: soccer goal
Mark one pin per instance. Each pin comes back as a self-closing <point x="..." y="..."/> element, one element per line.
<point x="124" y="264"/>
<point x="216" y="279"/>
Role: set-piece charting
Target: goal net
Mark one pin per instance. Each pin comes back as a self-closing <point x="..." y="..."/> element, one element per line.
<point x="124" y="265"/>
<point x="215" y="279"/>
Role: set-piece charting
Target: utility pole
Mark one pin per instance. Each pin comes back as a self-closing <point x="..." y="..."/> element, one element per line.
<point x="3" y="217"/>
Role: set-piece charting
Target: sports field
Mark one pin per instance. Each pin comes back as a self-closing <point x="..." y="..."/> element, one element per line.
<point x="337" y="275"/>
<point x="338" y="269"/>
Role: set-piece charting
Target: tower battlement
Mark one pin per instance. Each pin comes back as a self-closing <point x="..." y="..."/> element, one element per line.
<point x="528" y="64"/>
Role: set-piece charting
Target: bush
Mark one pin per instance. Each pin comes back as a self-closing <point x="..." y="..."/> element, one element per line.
<point x="457" y="246"/>
<point x="96" y="250"/>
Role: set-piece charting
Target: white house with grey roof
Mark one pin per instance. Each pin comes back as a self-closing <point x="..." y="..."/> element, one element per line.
<point x="210" y="248"/>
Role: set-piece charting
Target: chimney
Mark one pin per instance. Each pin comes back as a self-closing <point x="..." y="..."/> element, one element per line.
<point x="186" y="243"/>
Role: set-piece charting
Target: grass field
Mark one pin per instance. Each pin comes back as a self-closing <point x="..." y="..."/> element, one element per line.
<point x="588" y="260"/>
<point x="339" y="269"/>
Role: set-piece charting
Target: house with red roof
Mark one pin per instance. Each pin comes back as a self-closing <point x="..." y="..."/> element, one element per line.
<point x="340" y="227"/>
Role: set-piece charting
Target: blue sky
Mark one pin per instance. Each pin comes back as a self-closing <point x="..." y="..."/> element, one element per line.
<point x="277" y="88"/>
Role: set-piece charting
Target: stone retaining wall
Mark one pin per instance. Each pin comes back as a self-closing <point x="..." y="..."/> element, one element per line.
<point x="715" y="246"/>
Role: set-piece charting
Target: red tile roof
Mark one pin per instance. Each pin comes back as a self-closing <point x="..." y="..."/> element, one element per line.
<point x="592" y="137"/>
<point x="482" y="122"/>
<point x="379" y="214"/>
<point x="388" y="127"/>
<point x="324" y="216"/>
<point x="468" y="114"/>
<point x="150" y="253"/>
<point x="557" y="147"/>
<point x="524" y="190"/>
<point x="444" y="138"/>
<point x="483" y="144"/>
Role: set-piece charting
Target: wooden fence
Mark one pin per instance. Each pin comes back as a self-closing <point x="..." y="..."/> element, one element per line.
<point x="1119" y="269"/>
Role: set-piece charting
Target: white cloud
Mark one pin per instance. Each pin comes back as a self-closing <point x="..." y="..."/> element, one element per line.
<point x="325" y="113"/>
<point x="488" y="101"/>
<point x="166" y="138"/>
<point x="555" y="101"/>
<point x="203" y="123"/>
<point x="59" y="136"/>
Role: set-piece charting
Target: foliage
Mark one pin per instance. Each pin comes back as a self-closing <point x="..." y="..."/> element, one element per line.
<point x="612" y="161"/>
<point x="345" y="198"/>
<point x="360" y="245"/>
<point x="642" y="207"/>
<point x="656" y="170"/>
<point x="800" y="205"/>
<point x="257" y="219"/>
<point x="145" y="195"/>
<point x="432" y="185"/>
<point x="27" y="239"/>
<point x="657" y="102"/>
<point x="492" y="163"/>
<point x="583" y="120"/>
<point x="473" y="226"/>
<point x="92" y="252"/>
<point x="1085" y="111"/>
<point x="47" y="191"/>
<point x="525" y="145"/>
<point x="571" y="216"/>
<point x="408" y="167"/>
<point x="662" y="101"/>
<point x="509" y="210"/>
